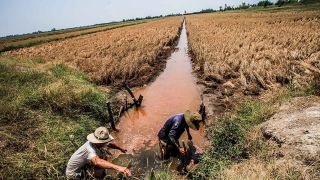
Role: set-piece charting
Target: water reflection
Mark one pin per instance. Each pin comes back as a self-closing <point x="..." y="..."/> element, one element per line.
<point x="174" y="91"/>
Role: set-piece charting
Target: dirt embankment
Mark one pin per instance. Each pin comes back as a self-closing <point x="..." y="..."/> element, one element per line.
<point x="295" y="128"/>
<point x="219" y="94"/>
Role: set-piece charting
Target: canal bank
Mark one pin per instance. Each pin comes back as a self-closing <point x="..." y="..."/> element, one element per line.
<point x="174" y="91"/>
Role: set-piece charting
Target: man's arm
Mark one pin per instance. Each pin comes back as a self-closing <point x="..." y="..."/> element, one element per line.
<point x="108" y="165"/>
<point x="114" y="146"/>
<point x="176" y="144"/>
<point x="173" y="133"/>
<point x="188" y="132"/>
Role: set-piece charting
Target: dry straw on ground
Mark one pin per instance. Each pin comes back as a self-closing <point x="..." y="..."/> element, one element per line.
<point x="256" y="48"/>
<point x="61" y="34"/>
<point x="125" y="53"/>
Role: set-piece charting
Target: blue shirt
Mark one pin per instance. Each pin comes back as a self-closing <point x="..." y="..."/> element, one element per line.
<point x="173" y="129"/>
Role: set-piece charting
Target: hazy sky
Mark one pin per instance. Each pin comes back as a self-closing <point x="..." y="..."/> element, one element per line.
<point x="27" y="16"/>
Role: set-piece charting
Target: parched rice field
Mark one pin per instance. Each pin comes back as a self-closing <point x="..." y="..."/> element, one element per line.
<point x="60" y="34"/>
<point x="252" y="49"/>
<point x="256" y="48"/>
<point x="39" y="111"/>
<point x="121" y="54"/>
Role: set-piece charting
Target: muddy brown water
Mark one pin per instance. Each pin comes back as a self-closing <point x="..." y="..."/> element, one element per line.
<point x="174" y="91"/>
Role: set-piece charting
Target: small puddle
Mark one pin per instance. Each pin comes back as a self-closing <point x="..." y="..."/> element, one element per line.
<point x="174" y="91"/>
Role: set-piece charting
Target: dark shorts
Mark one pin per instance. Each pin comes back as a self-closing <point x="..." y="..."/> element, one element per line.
<point x="79" y="175"/>
<point x="167" y="149"/>
<point x="85" y="173"/>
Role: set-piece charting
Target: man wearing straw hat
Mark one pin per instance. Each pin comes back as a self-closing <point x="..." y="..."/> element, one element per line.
<point x="172" y="130"/>
<point x="90" y="156"/>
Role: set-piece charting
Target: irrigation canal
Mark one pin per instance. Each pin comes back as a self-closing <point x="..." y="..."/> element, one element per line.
<point x="174" y="91"/>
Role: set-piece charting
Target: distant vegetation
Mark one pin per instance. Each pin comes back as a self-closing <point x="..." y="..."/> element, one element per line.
<point x="226" y="7"/>
<point x="151" y="17"/>
<point x="28" y="40"/>
<point x="55" y="31"/>
<point x="264" y="4"/>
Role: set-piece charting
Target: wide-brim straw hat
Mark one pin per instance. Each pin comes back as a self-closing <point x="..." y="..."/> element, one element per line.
<point x="100" y="135"/>
<point x="193" y="119"/>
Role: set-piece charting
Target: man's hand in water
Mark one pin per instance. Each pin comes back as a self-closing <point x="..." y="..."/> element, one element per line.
<point x="126" y="172"/>
<point x="181" y="150"/>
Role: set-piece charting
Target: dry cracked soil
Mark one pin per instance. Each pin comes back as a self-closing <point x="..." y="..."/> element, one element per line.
<point x="295" y="128"/>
